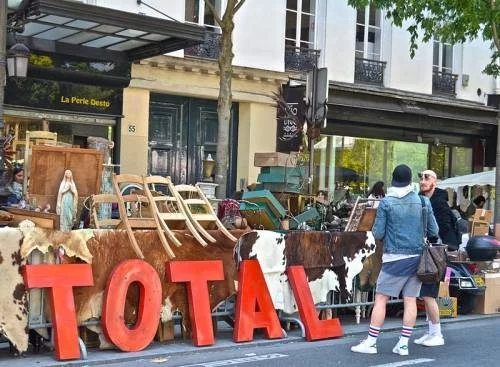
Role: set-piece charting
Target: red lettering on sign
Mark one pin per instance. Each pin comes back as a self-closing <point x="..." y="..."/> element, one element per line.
<point x="60" y="280"/>
<point x="315" y="328"/>
<point x="197" y="274"/>
<point x="254" y="306"/>
<point x="140" y="336"/>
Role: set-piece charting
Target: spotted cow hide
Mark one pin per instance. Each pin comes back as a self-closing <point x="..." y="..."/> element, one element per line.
<point x="13" y="298"/>
<point x="107" y="248"/>
<point x="331" y="261"/>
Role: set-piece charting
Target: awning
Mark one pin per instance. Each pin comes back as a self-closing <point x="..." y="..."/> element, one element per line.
<point x="481" y="178"/>
<point x="78" y="29"/>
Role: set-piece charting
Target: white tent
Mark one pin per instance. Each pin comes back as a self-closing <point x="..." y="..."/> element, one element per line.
<point x="481" y="178"/>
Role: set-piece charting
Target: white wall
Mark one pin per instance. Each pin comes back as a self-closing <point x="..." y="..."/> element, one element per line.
<point x="476" y="55"/>
<point x="259" y="35"/>
<point x="414" y="75"/>
<point x="340" y="41"/>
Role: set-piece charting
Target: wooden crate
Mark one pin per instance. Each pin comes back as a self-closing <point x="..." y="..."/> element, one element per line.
<point x="273" y="159"/>
<point x="47" y="166"/>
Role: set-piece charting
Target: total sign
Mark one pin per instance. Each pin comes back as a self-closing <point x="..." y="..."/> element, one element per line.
<point x="254" y="307"/>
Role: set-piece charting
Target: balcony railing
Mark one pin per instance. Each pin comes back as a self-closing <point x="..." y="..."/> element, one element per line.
<point x="300" y="59"/>
<point x="208" y="49"/>
<point x="444" y="83"/>
<point x="368" y="71"/>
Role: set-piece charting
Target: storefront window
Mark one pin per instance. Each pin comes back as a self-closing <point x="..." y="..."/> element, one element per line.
<point x="344" y="163"/>
<point x="347" y="164"/>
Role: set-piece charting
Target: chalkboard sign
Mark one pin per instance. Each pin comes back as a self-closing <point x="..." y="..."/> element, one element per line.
<point x="290" y="119"/>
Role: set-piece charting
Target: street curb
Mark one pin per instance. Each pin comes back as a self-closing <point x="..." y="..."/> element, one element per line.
<point x="357" y="329"/>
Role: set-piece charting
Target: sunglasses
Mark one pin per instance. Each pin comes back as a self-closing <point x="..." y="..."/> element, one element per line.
<point x="425" y="176"/>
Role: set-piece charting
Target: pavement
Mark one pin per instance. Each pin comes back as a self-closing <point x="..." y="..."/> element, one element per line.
<point x="223" y="341"/>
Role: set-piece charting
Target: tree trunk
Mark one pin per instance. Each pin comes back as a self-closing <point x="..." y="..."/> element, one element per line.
<point x="225" y="99"/>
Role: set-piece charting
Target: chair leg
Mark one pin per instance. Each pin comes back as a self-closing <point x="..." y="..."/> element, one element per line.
<point x="164" y="243"/>
<point x="133" y="242"/>
<point x="195" y="233"/>
<point x="225" y="231"/>
<point x="203" y="231"/>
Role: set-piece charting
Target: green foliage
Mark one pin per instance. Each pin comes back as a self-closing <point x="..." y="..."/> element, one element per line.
<point x="452" y="21"/>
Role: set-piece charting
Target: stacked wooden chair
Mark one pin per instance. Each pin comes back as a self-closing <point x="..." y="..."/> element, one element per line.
<point x="140" y="220"/>
<point x="101" y="199"/>
<point x="199" y="210"/>
<point x="168" y="211"/>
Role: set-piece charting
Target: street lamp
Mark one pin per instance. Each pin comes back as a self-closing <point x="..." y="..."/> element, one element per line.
<point x="17" y="61"/>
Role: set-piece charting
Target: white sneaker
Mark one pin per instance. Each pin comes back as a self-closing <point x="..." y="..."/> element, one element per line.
<point x="434" y="340"/>
<point x="365" y="347"/>
<point x="421" y="340"/>
<point x="402" y="350"/>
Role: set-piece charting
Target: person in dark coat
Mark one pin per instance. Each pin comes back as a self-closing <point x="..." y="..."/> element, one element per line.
<point x="446" y="223"/>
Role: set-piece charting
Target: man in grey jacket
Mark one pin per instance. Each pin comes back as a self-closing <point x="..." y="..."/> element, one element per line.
<point x="399" y="222"/>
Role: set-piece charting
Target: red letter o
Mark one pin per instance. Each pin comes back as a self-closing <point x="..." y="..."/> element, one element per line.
<point x="140" y="336"/>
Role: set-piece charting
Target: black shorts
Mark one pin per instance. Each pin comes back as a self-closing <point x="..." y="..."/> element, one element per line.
<point x="429" y="290"/>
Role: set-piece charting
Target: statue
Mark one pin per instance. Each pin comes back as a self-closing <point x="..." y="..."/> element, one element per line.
<point x="67" y="200"/>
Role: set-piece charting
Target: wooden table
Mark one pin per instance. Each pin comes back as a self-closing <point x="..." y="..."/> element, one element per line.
<point x="44" y="220"/>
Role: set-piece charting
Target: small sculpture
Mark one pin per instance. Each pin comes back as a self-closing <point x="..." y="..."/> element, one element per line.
<point x="67" y="200"/>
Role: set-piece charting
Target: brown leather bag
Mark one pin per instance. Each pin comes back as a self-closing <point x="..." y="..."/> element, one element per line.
<point x="432" y="264"/>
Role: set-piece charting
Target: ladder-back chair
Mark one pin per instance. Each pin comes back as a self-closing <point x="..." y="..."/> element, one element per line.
<point x="168" y="211"/>
<point x="136" y="222"/>
<point x="199" y="210"/>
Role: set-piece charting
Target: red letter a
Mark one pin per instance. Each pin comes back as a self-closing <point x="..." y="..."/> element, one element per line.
<point x="254" y="307"/>
<point x="315" y="328"/>
<point x="196" y="274"/>
<point x="60" y="280"/>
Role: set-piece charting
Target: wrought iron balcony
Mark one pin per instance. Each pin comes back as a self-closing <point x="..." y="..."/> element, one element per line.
<point x="444" y="83"/>
<point x="300" y="59"/>
<point x="368" y="71"/>
<point x="208" y="49"/>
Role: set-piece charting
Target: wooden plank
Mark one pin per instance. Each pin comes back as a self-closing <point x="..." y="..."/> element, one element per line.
<point x="44" y="220"/>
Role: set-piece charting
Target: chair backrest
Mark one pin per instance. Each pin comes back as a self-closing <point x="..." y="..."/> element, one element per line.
<point x="104" y="199"/>
<point x="38" y="136"/>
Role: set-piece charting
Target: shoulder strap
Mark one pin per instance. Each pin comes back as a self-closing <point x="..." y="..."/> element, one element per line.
<point x="424" y="217"/>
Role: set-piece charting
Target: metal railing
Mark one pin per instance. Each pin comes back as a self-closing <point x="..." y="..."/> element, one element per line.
<point x="300" y="59"/>
<point x="444" y="83"/>
<point x="208" y="50"/>
<point x="368" y="71"/>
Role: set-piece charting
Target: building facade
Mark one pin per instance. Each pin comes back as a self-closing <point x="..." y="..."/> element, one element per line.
<point x="384" y="108"/>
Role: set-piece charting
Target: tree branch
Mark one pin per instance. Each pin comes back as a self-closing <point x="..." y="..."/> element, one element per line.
<point x="494" y="26"/>
<point x="238" y="6"/>
<point x="211" y="6"/>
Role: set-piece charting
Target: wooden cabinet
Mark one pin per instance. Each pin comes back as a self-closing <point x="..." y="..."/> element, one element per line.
<point x="47" y="166"/>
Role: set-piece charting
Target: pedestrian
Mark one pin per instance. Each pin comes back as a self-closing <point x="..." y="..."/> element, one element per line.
<point x="377" y="192"/>
<point x="400" y="224"/>
<point x="446" y="221"/>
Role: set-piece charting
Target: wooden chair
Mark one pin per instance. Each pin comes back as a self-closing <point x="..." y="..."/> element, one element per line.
<point x="104" y="199"/>
<point x="168" y="211"/>
<point x="199" y="210"/>
<point x="136" y="222"/>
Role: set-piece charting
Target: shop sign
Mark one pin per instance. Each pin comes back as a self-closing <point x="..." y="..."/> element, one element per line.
<point x="290" y="119"/>
<point x="254" y="307"/>
<point x="64" y="96"/>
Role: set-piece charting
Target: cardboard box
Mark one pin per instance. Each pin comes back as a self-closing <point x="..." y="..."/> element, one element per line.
<point x="275" y="159"/>
<point x="489" y="302"/>
<point x="447" y="306"/>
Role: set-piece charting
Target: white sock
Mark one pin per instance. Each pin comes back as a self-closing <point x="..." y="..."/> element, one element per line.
<point x="434" y="329"/>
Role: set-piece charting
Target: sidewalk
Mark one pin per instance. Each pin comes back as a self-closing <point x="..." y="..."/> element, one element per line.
<point x="223" y="341"/>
